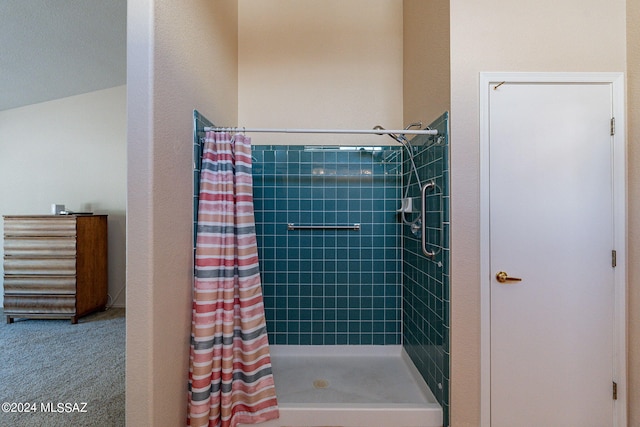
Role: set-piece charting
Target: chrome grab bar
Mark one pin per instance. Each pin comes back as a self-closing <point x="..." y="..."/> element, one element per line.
<point x="428" y="186"/>
<point x="292" y="226"/>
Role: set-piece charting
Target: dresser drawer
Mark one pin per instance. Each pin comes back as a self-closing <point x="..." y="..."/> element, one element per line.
<point x="44" y="285"/>
<point x="37" y="266"/>
<point x="55" y="266"/>
<point x="39" y="246"/>
<point x="46" y="226"/>
<point x="34" y="304"/>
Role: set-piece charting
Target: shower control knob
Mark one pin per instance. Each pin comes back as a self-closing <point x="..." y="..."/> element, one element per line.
<point x="503" y="277"/>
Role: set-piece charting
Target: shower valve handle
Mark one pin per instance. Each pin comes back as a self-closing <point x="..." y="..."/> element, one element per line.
<point x="503" y="277"/>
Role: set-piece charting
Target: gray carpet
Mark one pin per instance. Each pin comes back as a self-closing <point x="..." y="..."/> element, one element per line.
<point x="71" y="375"/>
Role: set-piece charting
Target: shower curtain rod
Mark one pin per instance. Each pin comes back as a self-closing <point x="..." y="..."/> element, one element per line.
<point x="336" y="131"/>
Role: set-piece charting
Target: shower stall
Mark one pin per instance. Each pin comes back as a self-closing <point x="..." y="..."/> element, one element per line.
<point x="353" y="243"/>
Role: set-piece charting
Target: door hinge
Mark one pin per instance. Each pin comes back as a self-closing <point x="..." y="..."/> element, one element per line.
<point x="613" y="258"/>
<point x="615" y="390"/>
<point x="613" y="126"/>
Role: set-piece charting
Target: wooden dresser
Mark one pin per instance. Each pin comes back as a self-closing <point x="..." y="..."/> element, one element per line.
<point x="55" y="266"/>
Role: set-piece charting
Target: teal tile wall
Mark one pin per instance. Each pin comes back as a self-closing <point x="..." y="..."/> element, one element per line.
<point x="326" y="287"/>
<point x="426" y="280"/>
<point x="344" y="287"/>
<point x="199" y="123"/>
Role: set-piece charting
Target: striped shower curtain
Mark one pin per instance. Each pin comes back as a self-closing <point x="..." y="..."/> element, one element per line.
<point x="230" y="378"/>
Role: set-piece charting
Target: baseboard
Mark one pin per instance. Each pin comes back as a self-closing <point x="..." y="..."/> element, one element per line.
<point x="118" y="305"/>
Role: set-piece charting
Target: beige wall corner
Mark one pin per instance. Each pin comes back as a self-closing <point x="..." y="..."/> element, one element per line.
<point x="426" y="62"/>
<point x="320" y="64"/>
<point x="178" y="59"/>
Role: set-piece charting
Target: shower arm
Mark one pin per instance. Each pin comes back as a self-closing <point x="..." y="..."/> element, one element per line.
<point x="406" y="131"/>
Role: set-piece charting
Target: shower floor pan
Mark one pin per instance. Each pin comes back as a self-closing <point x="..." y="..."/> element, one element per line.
<point x="350" y="386"/>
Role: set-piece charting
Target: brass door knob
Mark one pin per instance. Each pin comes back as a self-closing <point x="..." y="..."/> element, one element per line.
<point x="503" y="277"/>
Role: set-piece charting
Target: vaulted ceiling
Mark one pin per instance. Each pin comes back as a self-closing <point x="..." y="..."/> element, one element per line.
<point x="54" y="49"/>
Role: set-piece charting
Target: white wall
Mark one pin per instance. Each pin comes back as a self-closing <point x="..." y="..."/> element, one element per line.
<point x="179" y="58"/>
<point x="320" y="64"/>
<point x="503" y="35"/>
<point x="70" y="151"/>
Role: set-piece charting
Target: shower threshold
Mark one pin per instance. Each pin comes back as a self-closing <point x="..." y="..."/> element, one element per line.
<point x="350" y="386"/>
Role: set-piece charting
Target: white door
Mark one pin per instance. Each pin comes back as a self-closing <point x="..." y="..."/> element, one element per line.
<point x="552" y="225"/>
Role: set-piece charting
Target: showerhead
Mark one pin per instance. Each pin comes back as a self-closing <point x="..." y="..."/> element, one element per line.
<point x="401" y="139"/>
<point x="413" y="125"/>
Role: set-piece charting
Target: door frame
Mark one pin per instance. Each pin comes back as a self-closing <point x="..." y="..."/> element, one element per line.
<point x="488" y="80"/>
